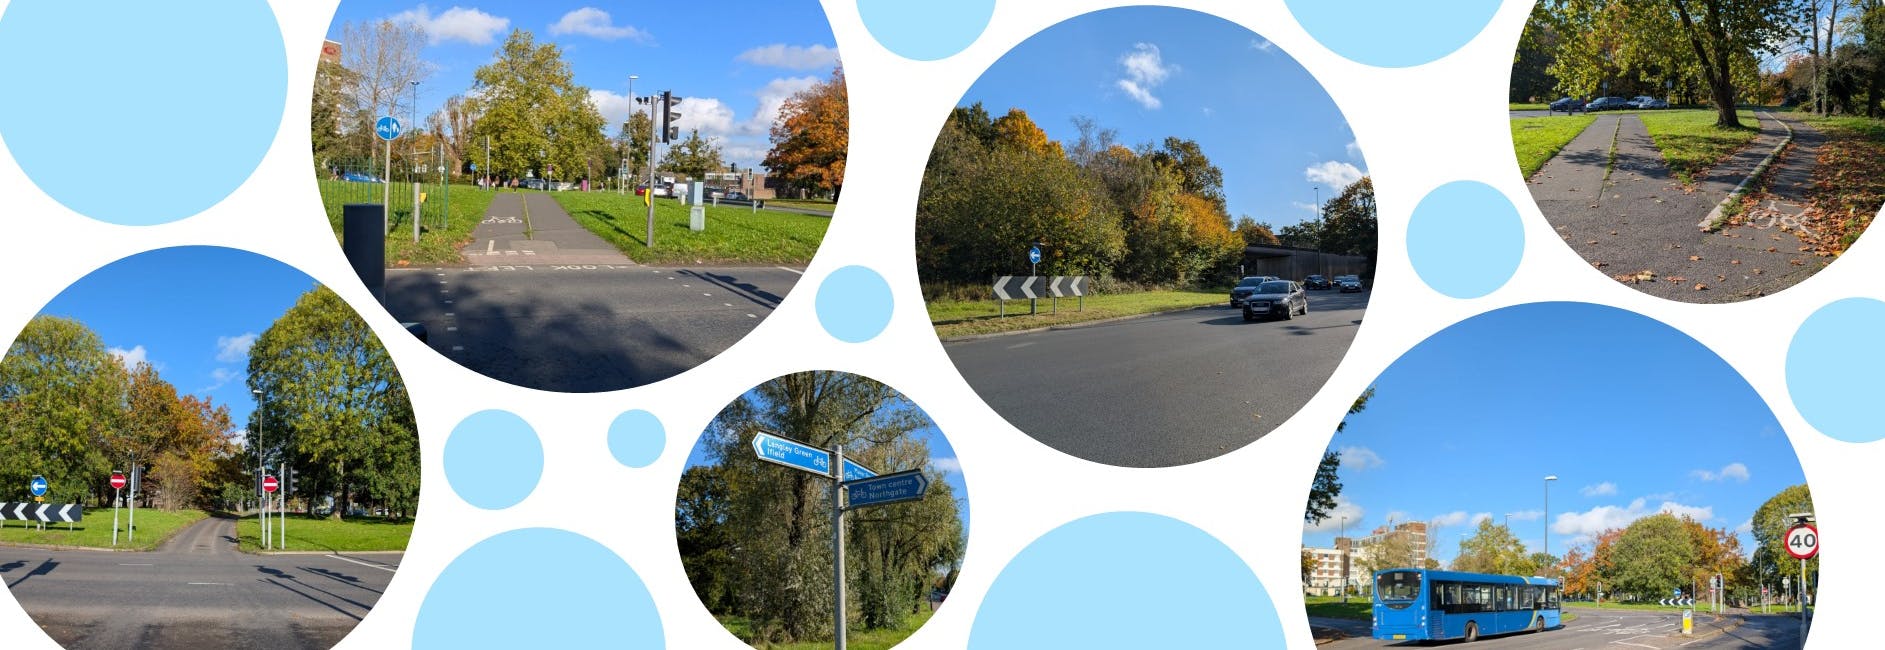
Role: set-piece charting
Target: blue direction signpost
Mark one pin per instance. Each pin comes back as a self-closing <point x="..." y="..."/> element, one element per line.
<point x="792" y="453"/>
<point x="38" y="486"/>
<point x="388" y="128"/>
<point x="890" y="488"/>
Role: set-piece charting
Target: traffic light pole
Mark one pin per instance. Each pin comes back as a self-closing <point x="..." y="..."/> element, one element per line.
<point x="649" y="240"/>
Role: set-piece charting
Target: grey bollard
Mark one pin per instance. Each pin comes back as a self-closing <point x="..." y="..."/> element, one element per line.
<point x="363" y="239"/>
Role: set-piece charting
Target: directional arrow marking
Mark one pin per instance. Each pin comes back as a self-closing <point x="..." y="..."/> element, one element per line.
<point x="65" y="512"/>
<point x="41" y="512"/>
<point x="1001" y="287"/>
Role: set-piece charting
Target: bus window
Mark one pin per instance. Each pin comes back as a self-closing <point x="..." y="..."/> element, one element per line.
<point x="1398" y="586"/>
<point x="1551" y="596"/>
<point x="1499" y="599"/>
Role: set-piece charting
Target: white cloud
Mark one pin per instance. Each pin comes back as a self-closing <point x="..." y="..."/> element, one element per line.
<point x="1344" y="509"/>
<point x="946" y="464"/>
<point x="772" y="97"/>
<point x="130" y="358"/>
<point x="1587" y="524"/>
<point x="221" y="377"/>
<point x="234" y="349"/>
<point x="1458" y="517"/>
<point x="1603" y="489"/>
<point x="1304" y="206"/>
<point x="1354" y="150"/>
<point x="614" y="108"/>
<point x="1360" y="458"/>
<point x="593" y="22"/>
<point x="455" y="24"/>
<point x="1145" y="71"/>
<point x="1333" y="174"/>
<point x="1745" y="527"/>
<point x="1478" y="517"/>
<point x="1261" y="44"/>
<point x="1736" y="471"/>
<point x="1526" y="515"/>
<point x="795" y="57"/>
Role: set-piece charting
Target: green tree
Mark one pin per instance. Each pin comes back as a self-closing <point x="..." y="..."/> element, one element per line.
<point x="693" y="156"/>
<point x="1653" y="556"/>
<point x="1770" y="525"/>
<point x="327" y="113"/>
<point x="62" y="397"/>
<point x="1328" y="482"/>
<point x="632" y="143"/>
<point x="1256" y="233"/>
<point x="1394" y="551"/>
<point x="536" y="115"/>
<point x="1492" y="549"/>
<point x="334" y="407"/>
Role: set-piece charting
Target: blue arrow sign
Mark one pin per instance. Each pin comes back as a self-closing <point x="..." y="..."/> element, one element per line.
<point x="387" y="127"/>
<point x="1034" y="255"/>
<point x="854" y="471"/>
<point x="791" y="453"/>
<point x="890" y="488"/>
<point x="39" y="486"/>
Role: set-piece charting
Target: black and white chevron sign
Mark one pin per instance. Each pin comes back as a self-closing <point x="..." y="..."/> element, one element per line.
<point x="1016" y="287"/>
<point x="1677" y="602"/>
<point x="1066" y="286"/>
<point x="48" y="512"/>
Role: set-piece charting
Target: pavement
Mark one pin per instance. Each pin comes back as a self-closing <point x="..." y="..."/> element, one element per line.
<point x="1164" y="390"/>
<point x="1609" y="628"/>
<point x="1633" y="221"/>
<point x="196" y="591"/>
<point x="549" y="305"/>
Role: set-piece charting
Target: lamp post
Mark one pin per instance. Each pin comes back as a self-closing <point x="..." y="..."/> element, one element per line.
<point x="1547" y="518"/>
<point x="255" y="443"/>
<point x="1344" y="541"/>
<point x="626" y="174"/>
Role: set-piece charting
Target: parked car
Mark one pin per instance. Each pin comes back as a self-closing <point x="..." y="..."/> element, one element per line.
<point x="535" y="184"/>
<point x="1276" y="299"/>
<point x="736" y="196"/>
<point x="1653" y="103"/>
<point x="1566" y="105"/>
<point x="1248" y="286"/>
<point x="564" y="186"/>
<point x="1317" y="282"/>
<point x="1349" y="283"/>
<point x="1607" y="104"/>
<point x="357" y="177"/>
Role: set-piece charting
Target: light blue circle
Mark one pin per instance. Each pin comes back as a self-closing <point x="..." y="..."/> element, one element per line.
<point x="1465" y="239"/>
<point x="140" y="113"/>
<point x="1393" y="33"/>
<point x="636" y="438"/>
<point x="493" y="459"/>
<point x="854" y="304"/>
<point x="1126" y="580"/>
<point x="925" y="30"/>
<point x="537" y="588"/>
<point x="1835" y="366"/>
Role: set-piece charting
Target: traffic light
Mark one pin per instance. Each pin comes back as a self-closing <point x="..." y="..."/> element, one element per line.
<point x="669" y="131"/>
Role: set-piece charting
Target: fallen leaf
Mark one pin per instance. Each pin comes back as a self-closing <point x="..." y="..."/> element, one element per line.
<point x="1771" y="249"/>
<point x="1734" y="261"/>
<point x="1695" y="258"/>
<point x="1797" y="262"/>
<point x="1592" y="242"/>
<point x="1701" y="287"/>
<point x="1757" y="271"/>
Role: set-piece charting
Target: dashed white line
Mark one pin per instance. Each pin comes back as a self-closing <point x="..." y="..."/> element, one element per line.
<point x="133" y="564"/>
<point x="782" y="268"/>
<point x="209" y="584"/>
<point x="365" y="564"/>
<point x="451" y="329"/>
<point x="490" y="246"/>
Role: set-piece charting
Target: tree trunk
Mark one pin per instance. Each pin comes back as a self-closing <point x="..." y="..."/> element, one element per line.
<point x="1714" y="69"/>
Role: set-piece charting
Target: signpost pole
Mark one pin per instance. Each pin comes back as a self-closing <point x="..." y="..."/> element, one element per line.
<point x="130" y="527"/>
<point x="115" y="495"/>
<point x="837" y="543"/>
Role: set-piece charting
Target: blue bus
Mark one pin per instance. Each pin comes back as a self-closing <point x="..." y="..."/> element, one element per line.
<point x="1429" y="605"/>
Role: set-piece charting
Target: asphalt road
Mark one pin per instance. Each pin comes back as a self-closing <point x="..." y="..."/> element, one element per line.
<point x="196" y="592"/>
<point x="585" y="328"/>
<point x="1162" y="390"/>
<point x="1630" y="629"/>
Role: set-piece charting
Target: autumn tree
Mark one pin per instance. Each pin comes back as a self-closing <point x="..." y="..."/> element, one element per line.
<point x="811" y="137"/>
<point x="328" y="114"/>
<point x="1770" y="525"/>
<point x="1015" y="129"/>
<point x="1394" y="551"/>
<point x="1256" y="233"/>
<point x="1197" y="175"/>
<point x="536" y="115"/>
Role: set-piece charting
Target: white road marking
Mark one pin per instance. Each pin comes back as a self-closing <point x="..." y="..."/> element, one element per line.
<point x="751" y="316"/>
<point x="132" y="564"/>
<point x="490" y="246"/>
<point x="706" y="294"/>
<point x="727" y="304"/>
<point x="365" y="564"/>
<point x="209" y="584"/>
<point x="789" y="269"/>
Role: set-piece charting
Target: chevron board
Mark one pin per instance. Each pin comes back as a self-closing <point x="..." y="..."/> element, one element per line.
<point x="48" y="512"/>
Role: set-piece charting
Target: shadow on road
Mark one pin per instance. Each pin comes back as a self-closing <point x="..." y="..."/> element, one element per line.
<point x="282" y="579"/>
<point x="43" y="569"/>
<point x="746" y="290"/>
<point x="351" y="581"/>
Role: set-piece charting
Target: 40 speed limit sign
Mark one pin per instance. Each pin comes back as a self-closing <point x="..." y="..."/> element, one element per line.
<point x="1803" y="541"/>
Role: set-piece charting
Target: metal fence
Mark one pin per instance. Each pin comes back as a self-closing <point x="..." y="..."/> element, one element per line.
<point x="413" y="182"/>
<point x="1296" y="264"/>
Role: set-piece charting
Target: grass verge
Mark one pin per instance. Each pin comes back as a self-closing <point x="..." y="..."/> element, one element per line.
<point x="1528" y="107"/>
<point x="1358" y="608"/>
<point x="954" y="318"/>
<point x="322" y="534"/>
<point x="153" y="527"/>
<point x="804" y="204"/>
<point x="435" y="245"/>
<point x="1849" y="181"/>
<point x="1691" y="143"/>
<point x="736" y="235"/>
<point x="855" y="638"/>
<point x="1536" y="139"/>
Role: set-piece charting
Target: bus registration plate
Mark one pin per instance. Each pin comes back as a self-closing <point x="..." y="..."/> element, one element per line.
<point x="1399" y="637"/>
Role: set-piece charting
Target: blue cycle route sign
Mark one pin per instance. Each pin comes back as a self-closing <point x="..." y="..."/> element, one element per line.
<point x="791" y="453"/>
<point x="854" y="471"/>
<point x="387" y="127"/>
<point x="1034" y="255"/>
<point x="38" y="486"/>
<point x="902" y="486"/>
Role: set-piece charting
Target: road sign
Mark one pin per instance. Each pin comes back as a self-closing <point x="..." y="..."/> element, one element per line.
<point x="1016" y="287"/>
<point x="1034" y="255"/>
<point x="388" y="127"/>
<point x="854" y="471"/>
<point x="1066" y="286"/>
<point x="890" y="488"/>
<point x="38" y="486"/>
<point x="1803" y="541"/>
<point x="269" y="484"/>
<point x="117" y="481"/>
<point x="43" y="512"/>
<point x="791" y="453"/>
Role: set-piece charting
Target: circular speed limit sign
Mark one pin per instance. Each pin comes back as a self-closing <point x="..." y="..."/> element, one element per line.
<point x="1803" y="541"/>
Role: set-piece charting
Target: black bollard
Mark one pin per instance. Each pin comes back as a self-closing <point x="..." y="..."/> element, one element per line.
<point x="363" y="239"/>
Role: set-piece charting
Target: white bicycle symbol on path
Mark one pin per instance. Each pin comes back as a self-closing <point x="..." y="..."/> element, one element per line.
<point x="1763" y="218"/>
<point x="502" y="220"/>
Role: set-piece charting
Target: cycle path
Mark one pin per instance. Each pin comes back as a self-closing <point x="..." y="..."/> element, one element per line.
<point x="531" y="228"/>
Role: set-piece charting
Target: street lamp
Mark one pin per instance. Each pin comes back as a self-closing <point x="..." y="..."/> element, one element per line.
<point x="255" y="443"/>
<point x="1345" y="543"/>
<point x="1548" y="480"/>
<point x="631" y="135"/>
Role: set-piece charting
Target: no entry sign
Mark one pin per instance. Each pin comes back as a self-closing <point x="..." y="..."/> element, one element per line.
<point x="117" y="481"/>
<point x="269" y="484"/>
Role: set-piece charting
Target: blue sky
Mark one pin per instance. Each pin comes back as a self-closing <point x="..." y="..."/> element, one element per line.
<point x="1154" y="72"/>
<point x="734" y="67"/>
<point x="191" y="312"/>
<point x="1633" y="417"/>
<point x="941" y="456"/>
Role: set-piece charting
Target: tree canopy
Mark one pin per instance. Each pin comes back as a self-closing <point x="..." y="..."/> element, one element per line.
<point x="811" y="137"/>
<point x="537" y="117"/>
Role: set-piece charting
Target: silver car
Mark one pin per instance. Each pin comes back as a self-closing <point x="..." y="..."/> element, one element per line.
<point x="1276" y="299"/>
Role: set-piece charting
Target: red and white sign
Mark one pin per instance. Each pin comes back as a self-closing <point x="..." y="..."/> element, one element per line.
<point x="269" y="484"/>
<point x="1803" y="541"/>
<point x="117" y="481"/>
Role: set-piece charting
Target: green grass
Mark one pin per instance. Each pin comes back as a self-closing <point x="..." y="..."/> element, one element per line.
<point x="954" y="317"/>
<point x="435" y="246"/>
<point x="1529" y="107"/>
<point x="153" y="527"/>
<point x="1359" y="608"/>
<point x="855" y="638"/>
<point x="803" y="204"/>
<point x="1536" y="139"/>
<point x="322" y="534"/>
<point x="735" y="235"/>
<point x="1690" y="141"/>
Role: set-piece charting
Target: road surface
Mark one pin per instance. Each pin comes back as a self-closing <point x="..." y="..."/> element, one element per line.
<point x="1626" y="629"/>
<point x="1162" y="390"/>
<point x="547" y="304"/>
<point x="196" y="592"/>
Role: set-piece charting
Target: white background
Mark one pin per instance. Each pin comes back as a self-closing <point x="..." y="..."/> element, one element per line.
<point x="897" y="105"/>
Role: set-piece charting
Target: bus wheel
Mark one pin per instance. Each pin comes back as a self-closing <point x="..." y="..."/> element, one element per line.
<point x="1472" y="632"/>
<point x="1539" y="625"/>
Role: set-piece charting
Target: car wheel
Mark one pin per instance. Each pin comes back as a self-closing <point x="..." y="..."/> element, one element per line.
<point x="1248" y="317"/>
<point x="1472" y="632"/>
<point x="1305" y="308"/>
<point x="1287" y="312"/>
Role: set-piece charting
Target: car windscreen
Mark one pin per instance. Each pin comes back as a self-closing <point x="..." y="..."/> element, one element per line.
<point x="1273" y="287"/>
<point x="1398" y="586"/>
<point x="1250" y="282"/>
